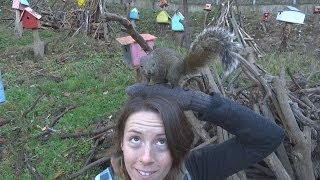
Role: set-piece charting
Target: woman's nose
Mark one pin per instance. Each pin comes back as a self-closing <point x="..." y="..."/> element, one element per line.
<point x="146" y="157"/>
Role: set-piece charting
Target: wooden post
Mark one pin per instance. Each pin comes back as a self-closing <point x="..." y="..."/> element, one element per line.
<point x="285" y="36"/>
<point x="186" y="23"/>
<point x="18" y="29"/>
<point x="38" y="46"/>
<point x="205" y="19"/>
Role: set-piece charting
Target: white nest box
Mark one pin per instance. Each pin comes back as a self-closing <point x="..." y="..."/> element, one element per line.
<point x="292" y="15"/>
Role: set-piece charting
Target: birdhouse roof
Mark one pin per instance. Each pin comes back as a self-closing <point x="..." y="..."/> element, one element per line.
<point x="291" y="8"/>
<point x="178" y="14"/>
<point x="32" y="12"/>
<point x="134" y="10"/>
<point x="24" y="2"/>
<point x="129" y="40"/>
<point x="163" y="12"/>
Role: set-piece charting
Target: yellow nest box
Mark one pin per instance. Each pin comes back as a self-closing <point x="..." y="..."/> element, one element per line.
<point x="81" y="3"/>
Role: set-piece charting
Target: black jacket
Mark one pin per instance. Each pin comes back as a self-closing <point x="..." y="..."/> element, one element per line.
<point x="255" y="138"/>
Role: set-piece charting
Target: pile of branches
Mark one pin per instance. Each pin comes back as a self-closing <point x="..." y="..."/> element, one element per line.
<point x="290" y="103"/>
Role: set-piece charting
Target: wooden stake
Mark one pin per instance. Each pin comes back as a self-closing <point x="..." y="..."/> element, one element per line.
<point x="18" y="29"/>
<point x="38" y="46"/>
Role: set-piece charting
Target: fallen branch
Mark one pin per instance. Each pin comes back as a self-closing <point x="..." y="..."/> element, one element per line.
<point x="32" y="170"/>
<point x="4" y="122"/>
<point x="25" y="113"/>
<point x="90" y="133"/>
<point x="55" y="120"/>
<point x="86" y="168"/>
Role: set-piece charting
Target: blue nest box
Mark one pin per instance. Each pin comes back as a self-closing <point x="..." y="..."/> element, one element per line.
<point x="134" y="14"/>
<point x="176" y="25"/>
<point x="2" y="95"/>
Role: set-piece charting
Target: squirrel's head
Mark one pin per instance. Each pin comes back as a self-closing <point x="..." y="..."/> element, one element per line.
<point x="148" y="67"/>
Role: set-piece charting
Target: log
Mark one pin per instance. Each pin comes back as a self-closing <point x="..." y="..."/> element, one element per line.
<point x="301" y="146"/>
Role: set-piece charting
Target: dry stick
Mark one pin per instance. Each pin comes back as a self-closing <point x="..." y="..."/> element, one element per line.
<point x="315" y="90"/>
<point x="91" y="152"/>
<point x="302" y="104"/>
<point x="274" y="163"/>
<point x="303" y="119"/>
<point x="32" y="170"/>
<point x="86" y="168"/>
<point x="25" y="113"/>
<point x="209" y="141"/>
<point x="4" y="122"/>
<point x="130" y="29"/>
<point x="281" y="151"/>
<point x="90" y="133"/>
<point x="55" y="120"/>
<point x="301" y="148"/>
<point x="256" y="74"/>
<point x="197" y="125"/>
<point x="252" y="43"/>
<point x="293" y="79"/>
<point x="223" y="92"/>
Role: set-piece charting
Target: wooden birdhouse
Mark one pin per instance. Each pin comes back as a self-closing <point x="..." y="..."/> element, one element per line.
<point x="163" y="3"/>
<point x="176" y="25"/>
<point x="132" y="51"/>
<point x="134" y="14"/>
<point x="207" y="7"/>
<point x="30" y="19"/>
<point x="316" y="10"/>
<point x="19" y="4"/>
<point x="163" y="17"/>
<point x="291" y="15"/>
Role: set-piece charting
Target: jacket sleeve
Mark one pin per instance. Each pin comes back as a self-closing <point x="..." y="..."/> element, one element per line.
<point x="255" y="138"/>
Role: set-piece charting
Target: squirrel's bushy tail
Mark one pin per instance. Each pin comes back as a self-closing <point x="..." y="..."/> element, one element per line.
<point x="213" y="42"/>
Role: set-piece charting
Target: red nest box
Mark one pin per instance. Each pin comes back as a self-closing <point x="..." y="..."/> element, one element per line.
<point x="265" y="16"/>
<point x="163" y="3"/>
<point x="30" y="19"/>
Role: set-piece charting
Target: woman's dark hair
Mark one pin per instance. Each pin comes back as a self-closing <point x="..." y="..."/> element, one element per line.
<point x="178" y="130"/>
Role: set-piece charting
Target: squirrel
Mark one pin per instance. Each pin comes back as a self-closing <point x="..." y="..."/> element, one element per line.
<point x="164" y="65"/>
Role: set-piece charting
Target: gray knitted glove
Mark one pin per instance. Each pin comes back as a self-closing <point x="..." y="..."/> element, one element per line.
<point x="187" y="99"/>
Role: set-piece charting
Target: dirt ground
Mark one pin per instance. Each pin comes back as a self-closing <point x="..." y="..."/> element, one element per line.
<point x="304" y="37"/>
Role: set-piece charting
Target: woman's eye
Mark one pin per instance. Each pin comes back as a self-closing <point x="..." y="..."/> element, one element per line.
<point x="135" y="139"/>
<point x="162" y="141"/>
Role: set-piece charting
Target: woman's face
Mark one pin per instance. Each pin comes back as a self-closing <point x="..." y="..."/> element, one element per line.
<point x="144" y="145"/>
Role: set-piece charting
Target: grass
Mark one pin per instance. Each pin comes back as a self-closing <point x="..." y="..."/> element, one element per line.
<point x="91" y="79"/>
<point x="85" y="73"/>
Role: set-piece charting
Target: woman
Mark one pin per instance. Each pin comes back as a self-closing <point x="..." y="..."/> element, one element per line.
<point x="154" y="138"/>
